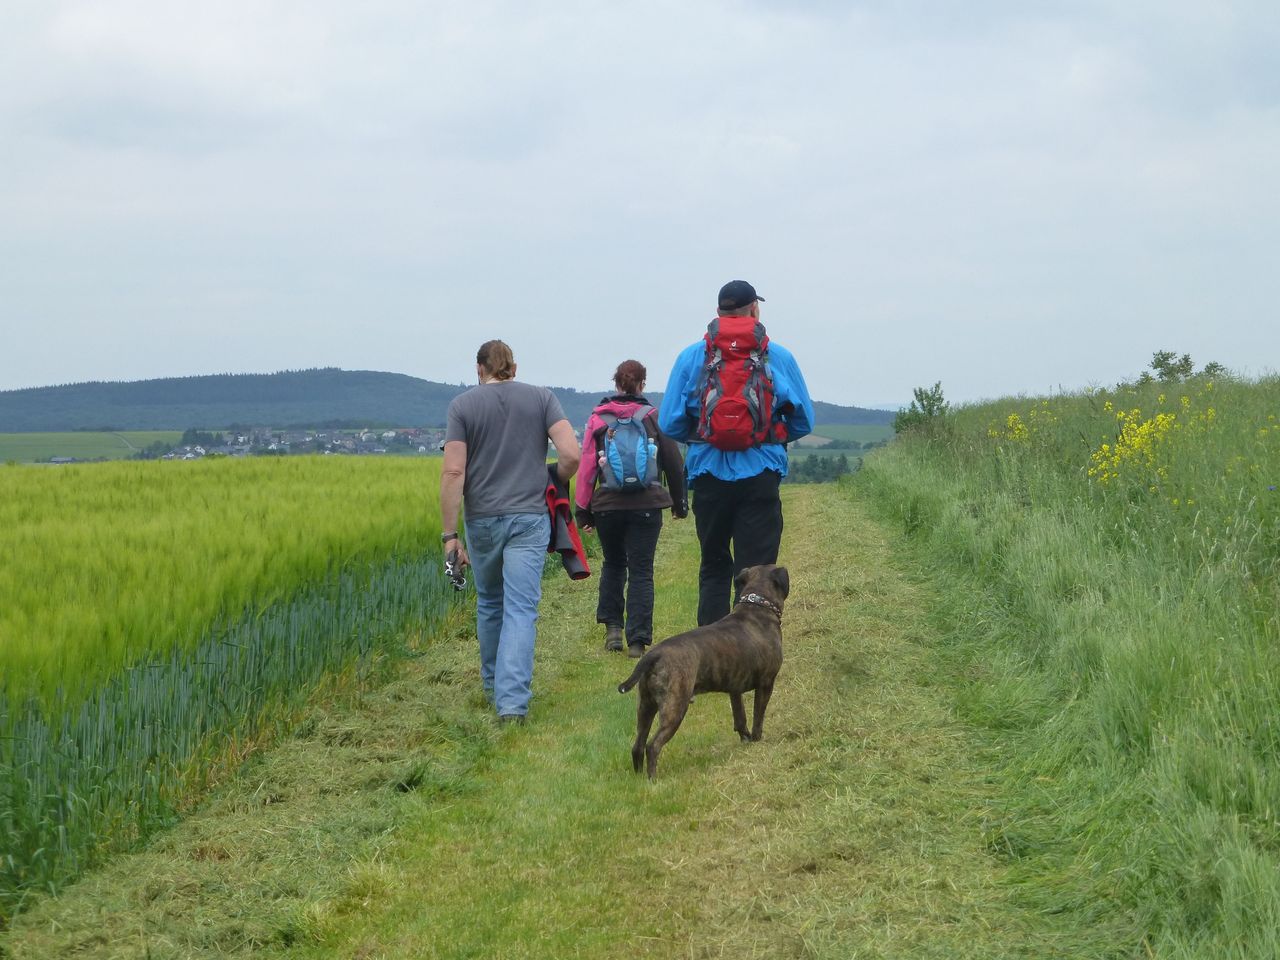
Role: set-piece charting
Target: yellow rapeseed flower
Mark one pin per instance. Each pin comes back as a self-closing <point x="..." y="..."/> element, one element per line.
<point x="1017" y="429"/>
<point x="1135" y="448"/>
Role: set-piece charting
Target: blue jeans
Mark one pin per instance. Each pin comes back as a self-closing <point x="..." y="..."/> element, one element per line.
<point x="507" y="556"/>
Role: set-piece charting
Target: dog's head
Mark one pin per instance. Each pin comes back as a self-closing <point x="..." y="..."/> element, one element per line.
<point x="768" y="580"/>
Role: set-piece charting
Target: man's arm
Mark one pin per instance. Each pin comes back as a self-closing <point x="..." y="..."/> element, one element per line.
<point x="568" y="453"/>
<point x="673" y="418"/>
<point x="451" y="483"/>
<point x="800" y="418"/>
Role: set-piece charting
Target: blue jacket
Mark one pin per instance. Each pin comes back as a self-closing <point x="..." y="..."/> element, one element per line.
<point x="678" y="417"/>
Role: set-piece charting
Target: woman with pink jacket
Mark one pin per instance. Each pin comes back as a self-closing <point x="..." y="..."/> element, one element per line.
<point x="626" y="511"/>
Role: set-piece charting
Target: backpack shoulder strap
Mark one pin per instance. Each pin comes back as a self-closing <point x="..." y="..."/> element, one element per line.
<point x="650" y="420"/>
<point x="606" y="420"/>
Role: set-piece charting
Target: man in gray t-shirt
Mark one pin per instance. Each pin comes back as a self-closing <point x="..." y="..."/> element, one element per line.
<point x="505" y="426"/>
<point x="495" y="462"/>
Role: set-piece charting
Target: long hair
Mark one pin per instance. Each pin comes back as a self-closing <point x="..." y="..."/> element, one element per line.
<point x="497" y="360"/>
<point x="630" y="376"/>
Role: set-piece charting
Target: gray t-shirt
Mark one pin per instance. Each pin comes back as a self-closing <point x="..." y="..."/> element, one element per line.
<point x="504" y="425"/>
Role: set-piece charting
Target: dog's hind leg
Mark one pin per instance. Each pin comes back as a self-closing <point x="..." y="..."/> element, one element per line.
<point x="739" y="716"/>
<point x="763" y="693"/>
<point x="669" y="721"/>
<point x="646" y="710"/>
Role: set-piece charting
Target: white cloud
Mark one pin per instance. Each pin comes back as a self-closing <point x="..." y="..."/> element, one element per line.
<point x="1004" y="198"/>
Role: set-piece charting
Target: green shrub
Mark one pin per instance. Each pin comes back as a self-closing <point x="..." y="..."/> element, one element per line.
<point x="927" y="413"/>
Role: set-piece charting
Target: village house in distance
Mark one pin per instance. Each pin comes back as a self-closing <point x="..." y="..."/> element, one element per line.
<point x="264" y="441"/>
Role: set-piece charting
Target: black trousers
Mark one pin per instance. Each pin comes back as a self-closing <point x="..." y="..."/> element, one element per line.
<point x="739" y="525"/>
<point x="628" y="539"/>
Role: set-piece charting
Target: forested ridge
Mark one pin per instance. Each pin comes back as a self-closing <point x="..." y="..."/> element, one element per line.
<point x="320" y="397"/>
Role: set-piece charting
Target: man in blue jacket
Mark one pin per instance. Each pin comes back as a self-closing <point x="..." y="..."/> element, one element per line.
<point x="736" y="506"/>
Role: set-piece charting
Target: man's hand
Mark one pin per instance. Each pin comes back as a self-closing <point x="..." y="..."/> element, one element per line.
<point x="455" y="562"/>
<point x="455" y="546"/>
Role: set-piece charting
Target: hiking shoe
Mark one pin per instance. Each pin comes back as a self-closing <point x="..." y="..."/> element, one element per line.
<point x="613" y="637"/>
<point x="635" y="650"/>
<point x="511" y="718"/>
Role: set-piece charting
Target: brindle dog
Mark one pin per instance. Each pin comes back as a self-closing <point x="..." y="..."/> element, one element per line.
<point x="737" y="653"/>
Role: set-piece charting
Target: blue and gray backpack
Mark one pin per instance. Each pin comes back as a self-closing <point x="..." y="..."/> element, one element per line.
<point x="628" y="456"/>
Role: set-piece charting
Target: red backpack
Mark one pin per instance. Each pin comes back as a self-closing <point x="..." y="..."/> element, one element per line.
<point x="735" y="390"/>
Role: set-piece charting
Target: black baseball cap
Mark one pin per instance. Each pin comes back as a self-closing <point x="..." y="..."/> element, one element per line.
<point x="737" y="294"/>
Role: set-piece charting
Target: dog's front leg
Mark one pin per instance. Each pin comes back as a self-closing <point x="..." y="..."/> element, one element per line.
<point x="739" y="716"/>
<point x="763" y="693"/>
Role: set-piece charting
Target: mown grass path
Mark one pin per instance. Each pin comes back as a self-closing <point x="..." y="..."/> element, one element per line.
<point x="405" y="824"/>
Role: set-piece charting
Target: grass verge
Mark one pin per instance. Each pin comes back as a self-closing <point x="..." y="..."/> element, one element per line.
<point x="1108" y="577"/>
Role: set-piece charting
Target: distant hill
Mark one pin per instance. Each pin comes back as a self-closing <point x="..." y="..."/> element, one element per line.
<point x="301" y="398"/>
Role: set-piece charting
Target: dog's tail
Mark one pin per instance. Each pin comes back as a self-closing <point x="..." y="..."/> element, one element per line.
<point x="638" y="673"/>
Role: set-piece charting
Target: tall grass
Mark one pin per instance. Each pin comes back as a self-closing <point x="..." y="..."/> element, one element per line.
<point x="1115" y="573"/>
<point x="101" y="564"/>
<point x="157" y="616"/>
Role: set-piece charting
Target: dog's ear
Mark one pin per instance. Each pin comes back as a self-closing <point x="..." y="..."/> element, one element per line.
<point x="740" y="580"/>
<point x="782" y="580"/>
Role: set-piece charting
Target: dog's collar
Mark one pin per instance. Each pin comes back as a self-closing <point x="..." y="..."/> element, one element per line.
<point x="762" y="601"/>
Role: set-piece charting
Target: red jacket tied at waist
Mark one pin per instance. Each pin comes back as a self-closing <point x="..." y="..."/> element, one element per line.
<point x="564" y="532"/>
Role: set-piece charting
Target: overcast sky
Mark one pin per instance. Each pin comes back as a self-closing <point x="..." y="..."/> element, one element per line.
<point x="1006" y="197"/>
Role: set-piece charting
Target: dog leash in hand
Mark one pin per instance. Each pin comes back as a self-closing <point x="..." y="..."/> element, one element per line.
<point x="762" y="601"/>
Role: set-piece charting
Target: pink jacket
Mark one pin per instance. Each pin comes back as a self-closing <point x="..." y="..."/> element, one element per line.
<point x="586" y="497"/>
